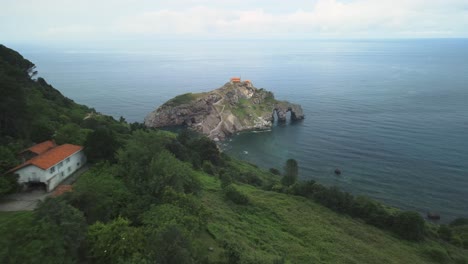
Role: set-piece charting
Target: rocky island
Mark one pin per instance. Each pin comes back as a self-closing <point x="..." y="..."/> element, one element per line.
<point x="234" y="107"/>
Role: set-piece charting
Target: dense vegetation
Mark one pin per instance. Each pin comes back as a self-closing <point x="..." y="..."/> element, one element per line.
<point x="157" y="197"/>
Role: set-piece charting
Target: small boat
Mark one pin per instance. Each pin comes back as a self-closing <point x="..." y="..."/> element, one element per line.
<point x="433" y="216"/>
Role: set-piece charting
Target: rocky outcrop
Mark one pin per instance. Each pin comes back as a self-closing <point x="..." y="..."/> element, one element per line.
<point x="229" y="109"/>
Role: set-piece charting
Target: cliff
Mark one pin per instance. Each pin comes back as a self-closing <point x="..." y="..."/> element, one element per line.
<point x="234" y="107"/>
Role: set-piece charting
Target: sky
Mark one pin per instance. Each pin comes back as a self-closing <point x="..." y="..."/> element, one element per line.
<point x="106" y="21"/>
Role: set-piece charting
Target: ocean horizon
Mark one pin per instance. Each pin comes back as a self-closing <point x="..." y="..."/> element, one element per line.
<point x="391" y="114"/>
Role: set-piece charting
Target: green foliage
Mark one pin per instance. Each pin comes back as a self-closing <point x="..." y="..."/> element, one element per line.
<point x="166" y="171"/>
<point x="208" y="168"/>
<point x="274" y="171"/>
<point x="207" y="150"/>
<point x="8" y="183"/>
<point x="181" y="152"/>
<point x="236" y="196"/>
<point x="436" y="254"/>
<point x="31" y="110"/>
<point x="147" y="167"/>
<point x="459" y="235"/>
<point x="24" y="240"/>
<point x="161" y="217"/>
<point x="72" y="134"/>
<point x="171" y="246"/>
<point x="99" y="195"/>
<point x="13" y="67"/>
<point x="291" y="171"/>
<point x="459" y="222"/>
<point x="188" y="202"/>
<point x="445" y="232"/>
<point x="115" y="241"/>
<point x="305" y="188"/>
<point x="226" y="179"/>
<point x="65" y="220"/>
<point x="136" y="154"/>
<point x="409" y="225"/>
<point x="52" y="234"/>
<point x="101" y="145"/>
<point x="233" y="252"/>
<point x="182" y="99"/>
<point x="197" y="148"/>
<point x="177" y="212"/>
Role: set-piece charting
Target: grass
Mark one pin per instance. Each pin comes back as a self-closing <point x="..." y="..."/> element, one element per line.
<point x="276" y="226"/>
<point x="6" y="218"/>
<point x="183" y="99"/>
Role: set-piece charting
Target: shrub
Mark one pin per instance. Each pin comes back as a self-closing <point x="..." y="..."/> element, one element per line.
<point x="274" y="171"/>
<point x="209" y="168"/>
<point x="445" y="232"/>
<point x="236" y="196"/>
<point x="409" y="225"/>
<point x="305" y="188"/>
<point x="8" y="184"/>
<point x="226" y="180"/>
<point x="250" y="178"/>
<point x="459" y="222"/>
<point x="436" y="254"/>
<point x="233" y="252"/>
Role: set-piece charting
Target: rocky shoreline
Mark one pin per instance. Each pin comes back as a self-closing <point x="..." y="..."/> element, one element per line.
<point x="234" y="107"/>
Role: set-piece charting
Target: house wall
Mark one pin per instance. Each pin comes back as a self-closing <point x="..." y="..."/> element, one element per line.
<point x="31" y="174"/>
<point x="52" y="177"/>
<point x="64" y="169"/>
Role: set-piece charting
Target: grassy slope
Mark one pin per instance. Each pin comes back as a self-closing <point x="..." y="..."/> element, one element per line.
<point x="277" y="225"/>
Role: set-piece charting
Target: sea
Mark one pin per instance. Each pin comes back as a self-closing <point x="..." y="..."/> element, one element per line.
<point x="392" y="115"/>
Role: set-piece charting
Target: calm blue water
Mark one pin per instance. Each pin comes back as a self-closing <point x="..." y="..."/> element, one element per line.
<point x="393" y="115"/>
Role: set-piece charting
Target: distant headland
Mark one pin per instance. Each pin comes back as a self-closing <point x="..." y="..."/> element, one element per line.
<point x="234" y="107"/>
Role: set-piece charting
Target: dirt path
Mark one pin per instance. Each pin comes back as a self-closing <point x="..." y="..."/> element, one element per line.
<point x="220" y="116"/>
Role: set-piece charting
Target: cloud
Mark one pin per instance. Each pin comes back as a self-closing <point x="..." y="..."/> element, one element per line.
<point x="326" y="18"/>
<point x="139" y="19"/>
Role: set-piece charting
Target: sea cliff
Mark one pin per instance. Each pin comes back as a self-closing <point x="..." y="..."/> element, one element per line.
<point x="234" y="107"/>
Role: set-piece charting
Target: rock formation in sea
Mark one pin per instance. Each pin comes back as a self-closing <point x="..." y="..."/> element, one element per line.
<point x="234" y="107"/>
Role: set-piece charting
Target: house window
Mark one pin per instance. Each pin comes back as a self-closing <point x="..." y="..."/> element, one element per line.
<point x="69" y="169"/>
<point x="62" y="174"/>
<point x="68" y="159"/>
<point x="60" y="165"/>
<point x="78" y="164"/>
<point x="52" y="170"/>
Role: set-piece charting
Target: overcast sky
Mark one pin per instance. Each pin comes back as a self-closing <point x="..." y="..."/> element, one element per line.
<point x="64" y="21"/>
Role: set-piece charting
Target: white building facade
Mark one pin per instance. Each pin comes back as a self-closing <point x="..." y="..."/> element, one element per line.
<point x="52" y="167"/>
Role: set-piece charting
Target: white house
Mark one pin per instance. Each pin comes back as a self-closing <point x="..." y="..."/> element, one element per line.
<point x="49" y="164"/>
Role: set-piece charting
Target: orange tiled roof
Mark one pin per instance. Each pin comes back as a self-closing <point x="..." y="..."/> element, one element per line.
<point x="41" y="147"/>
<point x="61" y="189"/>
<point x="51" y="157"/>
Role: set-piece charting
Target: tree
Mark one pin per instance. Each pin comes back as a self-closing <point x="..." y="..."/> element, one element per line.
<point x="445" y="232"/>
<point x="409" y="225"/>
<point x="101" y="144"/>
<point x="65" y="220"/>
<point x="115" y="242"/>
<point x="99" y="195"/>
<point x="291" y="171"/>
<point x="72" y="134"/>
<point x="171" y="246"/>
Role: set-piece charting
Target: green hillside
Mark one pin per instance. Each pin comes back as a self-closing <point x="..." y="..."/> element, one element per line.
<point x="277" y="226"/>
<point x="153" y="196"/>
